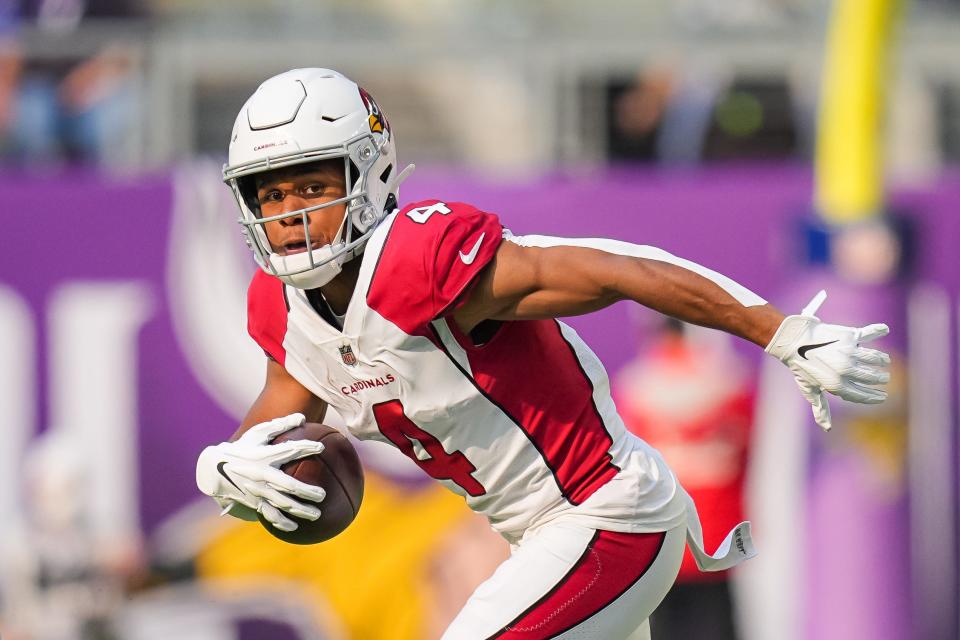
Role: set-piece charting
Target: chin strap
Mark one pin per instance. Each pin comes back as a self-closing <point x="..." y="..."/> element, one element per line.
<point x="400" y="177"/>
<point x="814" y="305"/>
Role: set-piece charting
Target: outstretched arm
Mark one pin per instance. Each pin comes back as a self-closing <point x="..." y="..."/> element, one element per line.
<point x="541" y="277"/>
<point x="539" y="281"/>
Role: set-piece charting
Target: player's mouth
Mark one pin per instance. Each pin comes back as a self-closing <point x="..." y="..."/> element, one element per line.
<point x="297" y="246"/>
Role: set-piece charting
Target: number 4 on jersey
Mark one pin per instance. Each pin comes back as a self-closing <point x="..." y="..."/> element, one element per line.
<point x="422" y="214"/>
<point x="401" y="431"/>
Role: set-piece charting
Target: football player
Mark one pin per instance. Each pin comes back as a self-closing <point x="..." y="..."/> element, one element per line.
<point x="433" y="328"/>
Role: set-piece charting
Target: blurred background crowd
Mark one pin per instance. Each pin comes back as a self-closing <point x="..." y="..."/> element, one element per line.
<point x="793" y="145"/>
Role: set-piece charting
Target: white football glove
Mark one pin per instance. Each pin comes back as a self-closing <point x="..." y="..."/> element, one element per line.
<point x="244" y="476"/>
<point x="828" y="357"/>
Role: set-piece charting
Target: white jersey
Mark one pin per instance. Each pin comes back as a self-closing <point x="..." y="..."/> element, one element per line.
<point x="522" y="426"/>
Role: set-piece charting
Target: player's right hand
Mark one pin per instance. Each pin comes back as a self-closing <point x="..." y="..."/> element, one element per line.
<point x="244" y="476"/>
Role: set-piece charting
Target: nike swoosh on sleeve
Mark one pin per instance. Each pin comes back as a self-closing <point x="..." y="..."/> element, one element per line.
<point x="802" y="351"/>
<point x="220" y="467"/>
<point x="470" y="257"/>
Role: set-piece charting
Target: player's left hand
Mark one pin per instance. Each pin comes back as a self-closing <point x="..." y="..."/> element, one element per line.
<point x="828" y="357"/>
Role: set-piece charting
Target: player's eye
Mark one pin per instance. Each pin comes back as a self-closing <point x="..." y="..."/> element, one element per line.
<point x="313" y="189"/>
<point x="274" y="195"/>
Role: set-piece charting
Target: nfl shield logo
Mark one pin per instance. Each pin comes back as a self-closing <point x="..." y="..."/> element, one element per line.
<point x="346" y="354"/>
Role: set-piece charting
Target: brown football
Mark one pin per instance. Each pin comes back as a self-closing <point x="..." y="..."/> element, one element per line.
<point x="337" y="470"/>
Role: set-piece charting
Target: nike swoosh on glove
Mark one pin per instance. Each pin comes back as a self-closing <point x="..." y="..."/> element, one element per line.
<point x="244" y="476"/>
<point x="828" y="357"/>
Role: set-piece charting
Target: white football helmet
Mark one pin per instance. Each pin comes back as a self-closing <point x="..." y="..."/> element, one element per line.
<point x="307" y="115"/>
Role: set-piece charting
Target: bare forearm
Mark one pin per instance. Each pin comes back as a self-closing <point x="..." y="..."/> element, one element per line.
<point x="690" y="297"/>
<point x="543" y="277"/>
<point x="281" y="396"/>
<point x="592" y="279"/>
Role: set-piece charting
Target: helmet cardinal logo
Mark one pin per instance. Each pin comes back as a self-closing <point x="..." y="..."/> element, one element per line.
<point x="378" y="121"/>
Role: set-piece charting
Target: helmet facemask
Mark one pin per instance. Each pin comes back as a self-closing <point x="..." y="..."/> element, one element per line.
<point x="316" y="267"/>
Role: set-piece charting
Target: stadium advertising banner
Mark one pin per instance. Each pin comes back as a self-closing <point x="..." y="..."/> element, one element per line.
<point x="122" y="330"/>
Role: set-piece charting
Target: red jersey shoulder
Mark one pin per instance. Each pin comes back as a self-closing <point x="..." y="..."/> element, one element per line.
<point x="433" y="253"/>
<point x="267" y="310"/>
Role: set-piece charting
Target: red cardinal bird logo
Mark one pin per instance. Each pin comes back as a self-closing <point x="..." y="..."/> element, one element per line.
<point x="378" y="121"/>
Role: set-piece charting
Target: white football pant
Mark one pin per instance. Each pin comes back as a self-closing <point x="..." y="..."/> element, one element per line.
<point x="574" y="582"/>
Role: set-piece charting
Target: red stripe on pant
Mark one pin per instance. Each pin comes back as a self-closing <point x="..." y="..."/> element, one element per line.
<point x="611" y="564"/>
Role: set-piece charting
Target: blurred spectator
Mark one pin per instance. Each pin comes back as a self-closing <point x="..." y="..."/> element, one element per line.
<point x="660" y="115"/>
<point x="691" y="397"/>
<point x="636" y="114"/>
<point x="63" y="103"/>
<point x="686" y="115"/>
